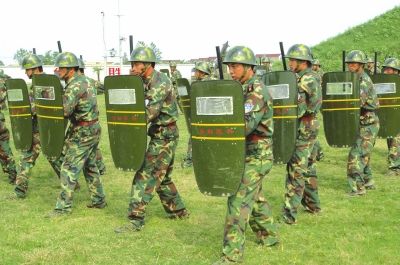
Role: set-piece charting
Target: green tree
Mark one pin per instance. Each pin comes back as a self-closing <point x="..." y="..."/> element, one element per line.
<point x="20" y="54"/>
<point x="152" y="46"/>
<point x="97" y="70"/>
<point x="49" y="57"/>
<point x="1" y="63"/>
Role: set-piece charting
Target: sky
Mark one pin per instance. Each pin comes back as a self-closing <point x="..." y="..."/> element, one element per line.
<point x="184" y="29"/>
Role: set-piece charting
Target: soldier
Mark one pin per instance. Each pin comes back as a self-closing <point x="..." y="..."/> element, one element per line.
<point x="32" y="65"/>
<point x="359" y="173"/>
<point x="6" y="155"/>
<point x="391" y="66"/>
<point x="316" y="67"/>
<point x="202" y="73"/>
<point x="370" y="67"/>
<point x="79" y="152"/>
<point x="155" y="173"/>
<point x="175" y="74"/>
<point x="212" y="70"/>
<point x="266" y="62"/>
<point x="317" y="154"/>
<point x="99" y="90"/>
<point x="248" y="204"/>
<point x="301" y="178"/>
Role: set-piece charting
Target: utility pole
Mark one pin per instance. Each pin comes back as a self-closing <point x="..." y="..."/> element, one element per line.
<point x="120" y="38"/>
<point x="104" y="43"/>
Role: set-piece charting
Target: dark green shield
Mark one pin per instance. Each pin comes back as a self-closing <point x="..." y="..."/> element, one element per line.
<point x="20" y="113"/>
<point x="165" y="71"/>
<point x="126" y="120"/>
<point x="341" y="107"/>
<point x="47" y="91"/>
<point x="388" y="90"/>
<point x="218" y="136"/>
<point x="184" y="98"/>
<point x="283" y="88"/>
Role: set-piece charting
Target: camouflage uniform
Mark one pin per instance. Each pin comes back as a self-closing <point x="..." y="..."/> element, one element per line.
<point x="301" y="178"/>
<point x="80" y="106"/>
<point x="155" y="173"/>
<point x="248" y="204"/>
<point x="6" y="155"/>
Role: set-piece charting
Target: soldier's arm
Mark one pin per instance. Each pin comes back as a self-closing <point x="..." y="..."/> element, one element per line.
<point x="70" y="99"/>
<point x="311" y="87"/>
<point x="156" y="97"/>
<point x="99" y="87"/>
<point x="368" y="96"/>
<point x="255" y="107"/>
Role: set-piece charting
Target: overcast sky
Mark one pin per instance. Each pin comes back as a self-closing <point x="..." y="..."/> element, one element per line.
<point x="181" y="29"/>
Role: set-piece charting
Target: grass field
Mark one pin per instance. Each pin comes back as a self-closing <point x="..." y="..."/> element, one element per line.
<point x="363" y="230"/>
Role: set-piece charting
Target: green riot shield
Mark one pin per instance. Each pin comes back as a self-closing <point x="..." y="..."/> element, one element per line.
<point x="47" y="91"/>
<point x="341" y="107"/>
<point x="218" y="136"/>
<point x="126" y="120"/>
<point x="283" y="88"/>
<point x="20" y="113"/>
<point x="184" y="98"/>
<point x="165" y="71"/>
<point x="388" y="90"/>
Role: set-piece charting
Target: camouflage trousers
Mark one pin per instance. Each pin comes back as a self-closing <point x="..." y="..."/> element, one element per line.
<point x="6" y="156"/>
<point x="394" y="152"/>
<point x="301" y="178"/>
<point x="249" y="205"/>
<point x="80" y="154"/>
<point x="358" y="162"/>
<point x="155" y="175"/>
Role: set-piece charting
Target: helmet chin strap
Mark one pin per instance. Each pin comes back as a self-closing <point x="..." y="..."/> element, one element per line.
<point x="147" y="71"/>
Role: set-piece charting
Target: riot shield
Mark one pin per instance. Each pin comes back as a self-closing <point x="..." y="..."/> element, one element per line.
<point x="341" y="107"/>
<point x="126" y="120"/>
<point x="184" y="98"/>
<point x="388" y="90"/>
<point x="20" y="113"/>
<point x="218" y="136"/>
<point x="165" y="71"/>
<point x="283" y="88"/>
<point x="47" y="91"/>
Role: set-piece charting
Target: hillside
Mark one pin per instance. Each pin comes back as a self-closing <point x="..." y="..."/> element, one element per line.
<point x="381" y="34"/>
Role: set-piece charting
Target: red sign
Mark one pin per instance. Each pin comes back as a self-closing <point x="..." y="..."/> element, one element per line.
<point x="114" y="71"/>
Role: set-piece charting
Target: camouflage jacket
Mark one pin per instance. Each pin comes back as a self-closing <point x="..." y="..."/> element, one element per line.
<point x="97" y="85"/>
<point x="320" y="74"/>
<point x="175" y="75"/>
<point x="161" y="107"/>
<point x="258" y="110"/>
<point x="80" y="102"/>
<point x="309" y="93"/>
<point x="3" y="92"/>
<point x="368" y="100"/>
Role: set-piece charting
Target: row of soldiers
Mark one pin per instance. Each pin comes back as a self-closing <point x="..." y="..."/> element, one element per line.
<point x="248" y="204"/>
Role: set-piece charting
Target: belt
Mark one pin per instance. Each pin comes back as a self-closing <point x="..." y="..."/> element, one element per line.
<point x="308" y="116"/>
<point x="366" y="111"/>
<point x="255" y="137"/>
<point x="85" y="123"/>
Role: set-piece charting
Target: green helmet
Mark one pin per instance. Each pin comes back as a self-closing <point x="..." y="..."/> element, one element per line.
<point x="316" y="62"/>
<point x="300" y="52"/>
<point x="143" y="54"/>
<point x="66" y="59"/>
<point x="203" y="66"/>
<point x="370" y="60"/>
<point x="81" y="64"/>
<point x="392" y="63"/>
<point x="31" y="61"/>
<point x="265" y="59"/>
<point x="172" y="64"/>
<point x="240" y="54"/>
<point x="356" y="56"/>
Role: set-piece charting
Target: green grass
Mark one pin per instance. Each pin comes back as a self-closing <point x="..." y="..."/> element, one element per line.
<point x="361" y="230"/>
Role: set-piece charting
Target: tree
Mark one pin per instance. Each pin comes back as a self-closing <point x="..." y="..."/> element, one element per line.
<point x="20" y="54"/>
<point x="153" y="46"/>
<point x="49" y="57"/>
<point x="1" y="63"/>
<point x="97" y="70"/>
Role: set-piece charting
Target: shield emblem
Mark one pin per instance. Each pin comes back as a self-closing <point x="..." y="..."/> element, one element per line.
<point x="184" y="98"/>
<point x="165" y="71"/>
<point x="20" y="113"/>
<point x="387" y="88"/>
<point x="47" y="91"/>
<point x="283" y="88"/>
<point x="341" y="107"/>
<point x="218" y="136"/>
<point x="126" y="120"/>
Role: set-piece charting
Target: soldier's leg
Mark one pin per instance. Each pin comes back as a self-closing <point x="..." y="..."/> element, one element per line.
<point x="6" y="155"/>
<point x="100" y="162"/>
<point x="187" y="161"/>
<point x="394" y="155"/>
<point x="240" y="206"/>
<point x="311" y="200"/>
<point x="26" y="163"/>
<point x="77" y="150"/>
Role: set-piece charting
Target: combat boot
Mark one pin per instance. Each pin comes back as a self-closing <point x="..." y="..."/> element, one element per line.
<point x="181" y="214"/>
<point x="370" y="185"/>
<point x="187" y="162"/>
<point x="133" y="226"/>
<point x="355" y="193"/>
<point x="101" y="205"/>
<point x="393" y="172"/>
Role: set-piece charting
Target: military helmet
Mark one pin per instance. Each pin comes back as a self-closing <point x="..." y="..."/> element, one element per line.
<point x="356" y="56"/>
<point x="172" y="64"/>
<point x="370" y="60"/>
<point x="143" y="54"/>
<point x="392" y="63"/>
<point x="265" y="59"/>
<point x="316" y="62"/>
<point x="300" y="52"/>
<point x="31" y="61"/>
<point x="66" y="59"/>
<point x="203" y="66"/>
<point x="81" y="64"/>
<point x="240" y="54"/>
